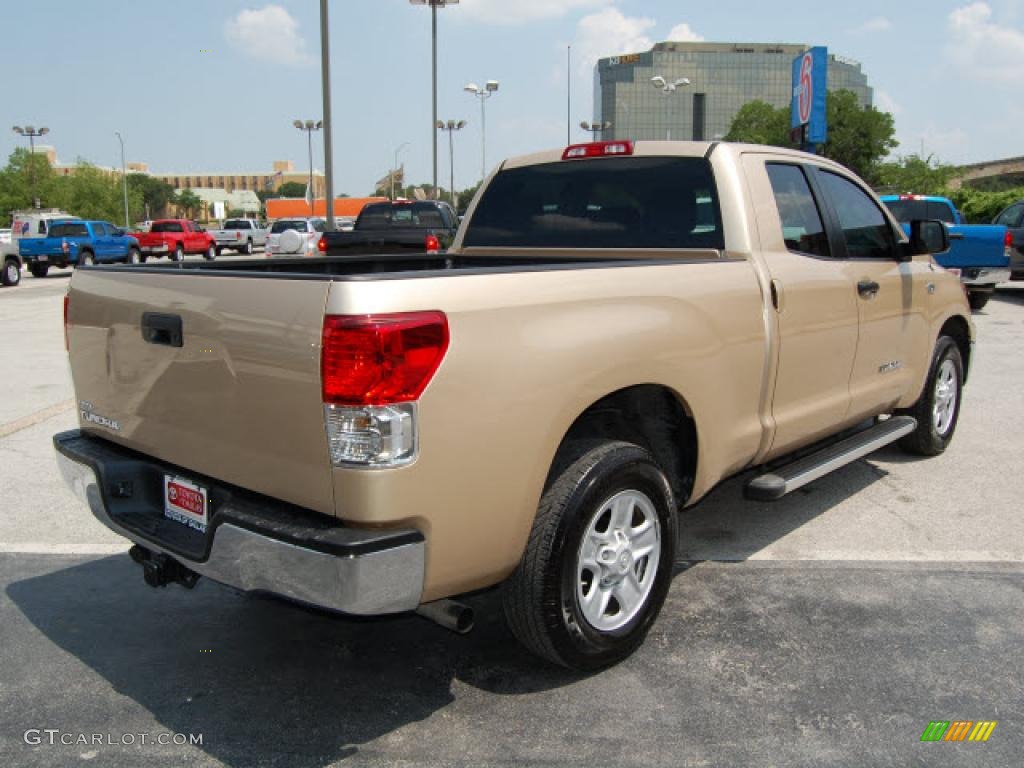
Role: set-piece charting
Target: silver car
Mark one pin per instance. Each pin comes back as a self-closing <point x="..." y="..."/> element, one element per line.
<point x="295" y="237"/>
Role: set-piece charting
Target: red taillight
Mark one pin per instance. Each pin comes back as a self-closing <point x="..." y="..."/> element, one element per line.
<point x="238" y="235"/>
<point x="67" y="299"/>
<point x="321" y="244"/>
<point x="433" y="244"/>
<point x="381" y="359"/>
<point x="598" y="149"/>
<point x="1008" y="239"/>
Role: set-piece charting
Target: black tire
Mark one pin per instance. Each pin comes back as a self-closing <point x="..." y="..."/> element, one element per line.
<point x="220" y="250"/>
<point x="11" y="274"/>
<point x="934" y="434"/>
<point x="248" y="248"/>
<point x="978" y="300"/>
<point x="178" y="254"/>
<point x="210" y="254"/>
<point x="542" y="597"/>
<point x="86" y="259"/>
<point x="38" y="270"/>
<point x="134" y="256"/>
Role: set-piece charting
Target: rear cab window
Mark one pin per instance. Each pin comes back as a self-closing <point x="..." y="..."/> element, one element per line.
<point x="166" y="226"/>
<point x="624" y="202"/>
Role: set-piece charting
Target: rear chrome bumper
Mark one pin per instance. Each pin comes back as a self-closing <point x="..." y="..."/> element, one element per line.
<point x="252" y="543"/>
<point x="985" y="276"/>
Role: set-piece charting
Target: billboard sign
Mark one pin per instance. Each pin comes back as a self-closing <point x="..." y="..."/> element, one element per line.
<point x="810" y="86"/>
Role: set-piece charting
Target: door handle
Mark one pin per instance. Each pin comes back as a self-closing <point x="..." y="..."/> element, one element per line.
<point x="867" y="288"/>
<point x="162" y="329"/>
<point x="956" y="235"/>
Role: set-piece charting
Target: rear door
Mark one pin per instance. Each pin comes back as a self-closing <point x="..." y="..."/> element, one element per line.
<point x="101" y="241"/>
<point x="239" y="400"/>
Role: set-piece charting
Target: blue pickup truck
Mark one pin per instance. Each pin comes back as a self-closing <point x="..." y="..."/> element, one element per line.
<point x="980" y="253"/>
<point x="78" y="242"/>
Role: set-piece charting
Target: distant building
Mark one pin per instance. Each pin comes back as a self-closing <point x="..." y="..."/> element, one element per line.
<point x="723" y="77"/>
<point x="263" y="181"/>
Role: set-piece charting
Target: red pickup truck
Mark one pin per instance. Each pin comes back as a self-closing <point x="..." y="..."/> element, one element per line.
<point x="175" y="238"/>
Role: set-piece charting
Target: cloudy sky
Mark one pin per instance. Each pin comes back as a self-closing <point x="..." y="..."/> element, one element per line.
<point x="198" y="85"/>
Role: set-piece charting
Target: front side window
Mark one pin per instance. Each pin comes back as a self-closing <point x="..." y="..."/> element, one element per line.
<point x="867" y="232"/>
<point x="802" y="229"/>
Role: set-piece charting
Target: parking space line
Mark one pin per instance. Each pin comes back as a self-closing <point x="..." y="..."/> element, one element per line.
<point x="38" y="417"/>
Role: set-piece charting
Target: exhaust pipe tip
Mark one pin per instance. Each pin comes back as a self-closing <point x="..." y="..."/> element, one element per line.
<point x="451" y="615"/>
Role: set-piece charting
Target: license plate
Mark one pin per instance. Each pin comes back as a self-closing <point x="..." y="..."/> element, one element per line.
<point x="43" y="258"/>
<point x="155" y="248"/>
<point x="186" y="502"/>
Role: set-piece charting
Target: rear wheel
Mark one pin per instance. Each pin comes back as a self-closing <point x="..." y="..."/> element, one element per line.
<point x="938" y="409"/>
<point x="248" y="248"/>
<point x="598" y="563"/>
<point x="38" y="270"/>
<point x="87" y="259"/>
<point x="11" y="274"/>
<point x="179" y="252"/>
<point x="978" y="300"/>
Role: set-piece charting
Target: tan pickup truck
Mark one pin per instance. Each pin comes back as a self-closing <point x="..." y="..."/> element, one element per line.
<point x="618" y="327"/>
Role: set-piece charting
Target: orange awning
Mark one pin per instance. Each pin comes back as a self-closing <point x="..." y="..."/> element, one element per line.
<point x="297" y="207"/>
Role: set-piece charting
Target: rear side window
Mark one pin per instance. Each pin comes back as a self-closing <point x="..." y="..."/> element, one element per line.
<point x="166" y="226"/>
<point x="69" y="229"/>
<point x="866" y="230"/>
<point x="625" y="202"/>
<point x="802" y="228"/>
<point x="99" y="230"/>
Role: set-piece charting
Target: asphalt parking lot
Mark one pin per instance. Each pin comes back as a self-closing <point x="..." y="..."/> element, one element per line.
<point x="826" y="629"/>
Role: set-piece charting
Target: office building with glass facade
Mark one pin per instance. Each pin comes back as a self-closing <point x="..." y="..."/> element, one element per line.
<point x="723" y="77"/>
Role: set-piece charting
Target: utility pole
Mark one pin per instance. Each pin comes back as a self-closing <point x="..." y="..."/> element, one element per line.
<point x="124" y="179"/>
<point x="325" y="77"/>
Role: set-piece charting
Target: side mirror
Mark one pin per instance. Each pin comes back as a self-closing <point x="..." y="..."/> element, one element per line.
<point x="927" y="236"/>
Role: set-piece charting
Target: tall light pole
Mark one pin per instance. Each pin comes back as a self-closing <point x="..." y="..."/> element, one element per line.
<point x="32" y="134"/>
<point x="483" y="92"/>
<point x="568" y="94"/>
<point x="668" y="88"/>
<point x="124" y="178"/>
<point x="434" y="5"/>
<point x="325" y="84"/>
<point x="451" y="127"/>
<point x="595" y="128"/>
<point x="309" y="126"/>
<point x="394" y="168"/>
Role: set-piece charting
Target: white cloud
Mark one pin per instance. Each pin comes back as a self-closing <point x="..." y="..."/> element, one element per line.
<point x="681" y="33"/>
<point x="983" y="48"/>
<point x="504" y="12"/>
<point x="609" y="33"/>
<point x="877" y="24"/>
<point x="269" y="33"/>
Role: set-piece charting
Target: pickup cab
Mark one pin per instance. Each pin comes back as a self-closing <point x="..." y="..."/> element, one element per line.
<point x="1012" y="217"/>
<point x="978" y="253"/>
<point x="404" y="226"/>
<point x="177" y="238"/>
<point x="78" y="242"/>
<point x="617" y="327"/>
<point x="240" y="235"/>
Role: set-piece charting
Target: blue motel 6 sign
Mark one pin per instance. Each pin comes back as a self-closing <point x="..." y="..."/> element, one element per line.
<point x="810" y="85"/>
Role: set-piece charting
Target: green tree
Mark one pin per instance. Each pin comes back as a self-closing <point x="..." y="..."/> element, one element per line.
<point x="188" y="202"/>
<point x="758" y="122"/>
<point x="91" y="193"/>
<point x="154" y="196"/>
<point x="981" y="206"/>
<point x="914" y="175"/>
<point x="291" y="189"/>
<point x="858" y="137"/>
<point x="22" y="172"/>
<point x="466" y="197"/>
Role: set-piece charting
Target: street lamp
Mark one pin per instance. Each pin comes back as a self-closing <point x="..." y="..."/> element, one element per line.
<point x="309" y="126"/>
<point x="668" y="87"/>
<point x="124" y="179"/>
<point x="434" y="5"/>
<point x="483" y="92"/>
<point x="32" y="134"/>
<point x="451" y="127"/>
<point x="394" y="168"/>
<point x="595" y="128"/>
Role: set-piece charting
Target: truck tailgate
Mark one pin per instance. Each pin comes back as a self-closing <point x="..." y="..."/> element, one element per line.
<point x="239" y="400"/>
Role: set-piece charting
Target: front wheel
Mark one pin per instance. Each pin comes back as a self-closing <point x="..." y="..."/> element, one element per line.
<point x="211" y="253"/>
<point x="11" y="274"/>
<point x="938" y="409"/>
<point x="134" y="256"/>
<point x="598" y="563"/>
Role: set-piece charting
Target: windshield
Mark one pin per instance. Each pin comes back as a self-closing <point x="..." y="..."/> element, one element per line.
<point x="285" y="224"/>
<point x="636" y="202"/>
<point x="167" y="226"/>
<point x="404" y="215"/>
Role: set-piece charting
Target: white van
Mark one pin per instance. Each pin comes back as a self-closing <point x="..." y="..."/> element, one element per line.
<point x="35" y="223"/>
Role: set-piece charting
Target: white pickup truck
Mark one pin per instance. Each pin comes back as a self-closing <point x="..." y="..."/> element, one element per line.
<point x="241" y="235"/>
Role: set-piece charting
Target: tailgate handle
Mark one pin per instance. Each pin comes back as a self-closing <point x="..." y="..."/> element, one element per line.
<point x="162" y="329"/>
